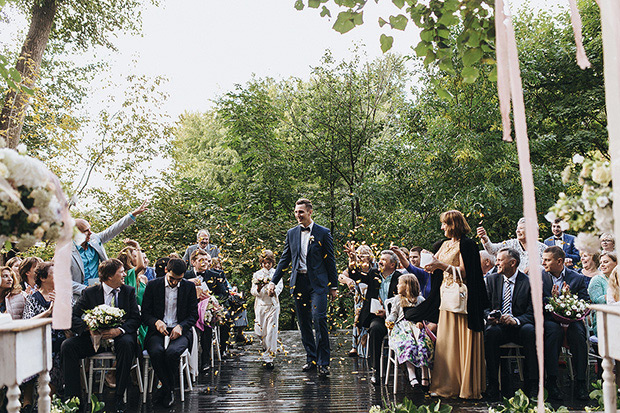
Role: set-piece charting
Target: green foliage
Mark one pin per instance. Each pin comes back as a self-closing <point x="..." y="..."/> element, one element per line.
<point x="407" y="406"/>
<point x="461" y="29"/>
<point x="520" y="403"/>
<point x="73" y="405"/>
<point x="597" y="395"/>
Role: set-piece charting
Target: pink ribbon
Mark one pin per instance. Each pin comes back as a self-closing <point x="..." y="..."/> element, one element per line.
<point x="508" y="66"/>
<point x="575" y="18"/>
<point x="63" y="283"/>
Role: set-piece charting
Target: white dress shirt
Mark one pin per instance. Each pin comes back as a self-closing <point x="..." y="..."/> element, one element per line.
<point x="109" y="295"/>
<point x="170" y="310"/>
<point x="303" y="250"/>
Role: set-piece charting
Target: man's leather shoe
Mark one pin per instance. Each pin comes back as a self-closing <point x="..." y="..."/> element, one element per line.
<point x="323" y="371"/>
<point x="581" y="391"/>
<point x="309" y="366"/>
<point x="168" y="399"/>
<point x="269" y="365"/>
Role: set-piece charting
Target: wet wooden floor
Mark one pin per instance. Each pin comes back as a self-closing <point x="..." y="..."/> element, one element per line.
<point x="241" y="384"/>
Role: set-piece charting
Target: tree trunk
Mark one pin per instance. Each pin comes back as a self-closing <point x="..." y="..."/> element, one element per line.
<point x="28" y="65"/>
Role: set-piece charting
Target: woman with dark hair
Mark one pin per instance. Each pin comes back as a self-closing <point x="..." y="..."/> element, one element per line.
<point x="27" y="270"/>
<point x="459" y="367"/>
<point x="11" y="299"/>
<point x="40" y="304"/>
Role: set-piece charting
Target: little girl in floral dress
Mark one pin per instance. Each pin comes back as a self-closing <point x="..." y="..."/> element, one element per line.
<point x="409" y="341"/>
<point x="266" y="307"/>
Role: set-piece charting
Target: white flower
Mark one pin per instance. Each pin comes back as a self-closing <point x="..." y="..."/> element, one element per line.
<point x="602" y="175"/>
<point x="568" y="313"/>
<point x="586" y="242"/>
<point x="577" y="159"/>
<point x="604" y="218"/>
<point x="551" y="216"/>
<point x="4" y="171"/>
<point x="22" y="149"/>
<point x="549" y="307"/>
<point x="578" y="315"/>
<point x="602" y="201"/>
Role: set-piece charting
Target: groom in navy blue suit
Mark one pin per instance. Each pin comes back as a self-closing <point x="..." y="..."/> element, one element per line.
<point x="309" y="250"/>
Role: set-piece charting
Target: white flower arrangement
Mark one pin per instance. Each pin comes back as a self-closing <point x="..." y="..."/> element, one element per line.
<point x="263" y="278"/>
<point x="103" y="317"/>
<point x="29" y="208"/>
<point x="567" y="307"/>
<point x="591" y="212"/>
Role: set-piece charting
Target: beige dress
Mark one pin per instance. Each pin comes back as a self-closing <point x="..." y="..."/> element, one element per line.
<point x="459" y="368"/>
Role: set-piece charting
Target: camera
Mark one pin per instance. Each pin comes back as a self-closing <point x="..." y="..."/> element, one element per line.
<point x="495" y="314"/>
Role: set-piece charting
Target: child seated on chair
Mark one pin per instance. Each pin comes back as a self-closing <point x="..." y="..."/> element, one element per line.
<point x="266" y="307"/>
<point x="410" y="341"/>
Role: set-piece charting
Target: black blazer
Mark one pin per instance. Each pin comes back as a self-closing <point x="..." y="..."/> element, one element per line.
<point x="215" y="280"/>
<point x="93" y="296"/>
<point x="154" y="305"/>
<point x="521" y="296"/>
<point x="576" y="282"/>
<point x="373" y="279"/>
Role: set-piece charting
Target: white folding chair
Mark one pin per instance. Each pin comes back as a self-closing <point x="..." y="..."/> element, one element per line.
<point x="184" y="375"/>
<point x="103" y="363"/>
<point x="513" y="351"/>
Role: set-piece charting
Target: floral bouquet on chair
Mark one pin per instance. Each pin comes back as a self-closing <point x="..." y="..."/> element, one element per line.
<point x="214" y="312"/>
<point x="567" y="308"/>
<point x="102" y="317"/>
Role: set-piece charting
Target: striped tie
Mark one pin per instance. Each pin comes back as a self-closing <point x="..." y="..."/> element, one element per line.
<point x="507" y="298"/>
<point x="114" y="302"/>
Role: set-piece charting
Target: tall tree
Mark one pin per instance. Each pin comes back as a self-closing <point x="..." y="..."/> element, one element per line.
<point x="78" y="24"/>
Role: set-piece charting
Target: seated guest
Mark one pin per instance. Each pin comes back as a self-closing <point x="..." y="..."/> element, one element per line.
<point x="12" y="300"/>
<point x="415" y="254"/>
<point x="589" y="265"/>
<point x="613" y="290"/>
<point x="519" y="244"/>
<point x="160" y="267"/>
<point x="597" y="287"/>
<point x="510" y="318"/>
<point x="89" y="251"/>
<point x="608" y="243"/>
<point x="169" y="309"/>
<point x="424" y="278"/>
<point x="40" y="305"/>
<point x="564" y="241"/>
<point x="27" y="274"/>
<point x="487" y="262"/>
<point x="407" y="339"/>
<point x="114" y="293"/>
<point x="364" y="259"/>
<point x="557" y="277"/>
<point x="202" y="242"/>
<point x="381" y="286"/>
<point x="13" y="263"/>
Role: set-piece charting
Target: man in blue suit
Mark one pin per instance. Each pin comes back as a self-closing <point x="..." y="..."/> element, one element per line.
<point x="309" y="250"/>
<point x="556" y="278"/>
<point x="564" y="241"/>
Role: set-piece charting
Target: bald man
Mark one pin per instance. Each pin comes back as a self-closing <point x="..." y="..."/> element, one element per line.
<point x="87" y="255"/>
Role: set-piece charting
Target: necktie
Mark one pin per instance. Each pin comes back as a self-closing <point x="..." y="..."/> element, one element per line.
<point x="114" y="293"/>
<point x="304" y="229"/>
<point x="558" y="238"/>
<point x="507" y="297"/>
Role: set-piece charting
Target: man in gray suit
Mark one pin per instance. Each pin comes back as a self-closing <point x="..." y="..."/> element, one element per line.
<point x="86" y="256"/>
<point x="203" y="241"/>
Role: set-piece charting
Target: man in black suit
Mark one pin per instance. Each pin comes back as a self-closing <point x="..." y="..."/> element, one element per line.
<point x="114" y="293"/>
<point x="509" y="319"/>
<point x="382" y="288"/>
<point x="209" y="282"/>
<point x="169" y="309"/>
<point x="310" y="251"/>
<point x="557" y="277"/>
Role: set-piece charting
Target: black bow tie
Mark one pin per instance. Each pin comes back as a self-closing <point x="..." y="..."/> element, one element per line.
<point x="304" y="229"/>
<point x="558" y="238"/>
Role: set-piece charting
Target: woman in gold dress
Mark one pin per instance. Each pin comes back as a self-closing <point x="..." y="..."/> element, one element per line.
<point x="459" y="367"/>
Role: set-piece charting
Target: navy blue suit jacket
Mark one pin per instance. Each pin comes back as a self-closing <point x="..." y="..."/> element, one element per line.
<point x="576" y="282"/>
<point x="522" y="308"/>
<point x="568" y="245"/>
<point x="320" y="259"/>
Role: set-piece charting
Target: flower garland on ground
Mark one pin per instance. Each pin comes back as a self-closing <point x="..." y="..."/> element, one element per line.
<point x="29" y="207"/>
<point x="591" y="212"/>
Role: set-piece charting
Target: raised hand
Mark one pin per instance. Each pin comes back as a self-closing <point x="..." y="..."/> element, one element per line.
<point x="482" y="234"/>
<point x="141" y="208"/>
